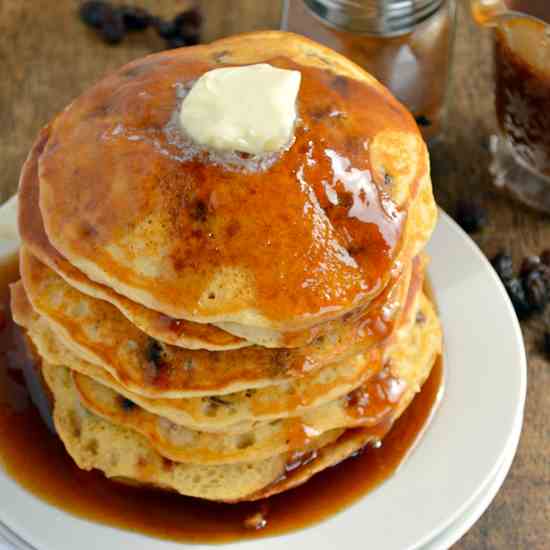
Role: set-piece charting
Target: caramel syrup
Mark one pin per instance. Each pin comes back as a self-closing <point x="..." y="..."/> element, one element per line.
<point x="34" y="457"/>
<point x="523" y="93"/>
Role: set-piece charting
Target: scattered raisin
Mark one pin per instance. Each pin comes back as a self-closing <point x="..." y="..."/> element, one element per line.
<point x="175" y="42"/>
<point x="517" y="295"/>
<point x="154" y="352"/>
<point x="502" y="263"/>
<point x="92" y="13"/>
<point x="423" y="120"/>
<point x="536" y="290"/>
<point x="198" y="210"/>
<point x="135" y="19"/>
<point x="126" y="404"/>
<point x="530" y="263"/>
<point x="166" y="29"/>
<point x="546" y="344"/>
<point x="545" y="257"/>
<point x="191" y="17"/>
<point x="471" y="216"/>
<point x="191" y="37"/>
<point x="112" y="28"/>
<point x="112" y="23"/>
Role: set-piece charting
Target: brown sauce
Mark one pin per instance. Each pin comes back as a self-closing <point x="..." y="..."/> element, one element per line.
<point x="523" y="94"/>
<point x="37" y="460"/>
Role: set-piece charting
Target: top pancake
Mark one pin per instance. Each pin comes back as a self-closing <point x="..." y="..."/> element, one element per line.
<point x="280" y="242"/>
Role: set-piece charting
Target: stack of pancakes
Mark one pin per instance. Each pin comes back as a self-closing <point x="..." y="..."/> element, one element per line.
<point x="223" y="325"/>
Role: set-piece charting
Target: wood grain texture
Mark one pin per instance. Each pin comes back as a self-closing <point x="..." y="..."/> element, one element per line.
<point x="48" y="57"/>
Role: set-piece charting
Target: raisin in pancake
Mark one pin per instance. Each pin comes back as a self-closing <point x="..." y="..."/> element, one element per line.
<point x="370" y="404"/>
<point x="235" y="412"/>
<point x="198" y="238"/>
<point x="96" y="443"/>
<point x="97" y="332"/>
<point x="262" y="440"/>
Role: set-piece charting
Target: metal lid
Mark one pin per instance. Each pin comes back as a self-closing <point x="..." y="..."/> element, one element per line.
<point x="376" y="17"/>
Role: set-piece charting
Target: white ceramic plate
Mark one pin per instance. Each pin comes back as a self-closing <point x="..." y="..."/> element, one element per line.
<point x="457" y="528"/>
<point x="448" y="472"/>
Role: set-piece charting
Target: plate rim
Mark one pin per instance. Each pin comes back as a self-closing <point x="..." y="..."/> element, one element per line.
<point x="473" y="513"/>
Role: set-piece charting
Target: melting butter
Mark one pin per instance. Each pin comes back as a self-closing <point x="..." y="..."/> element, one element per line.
<point x="251" y="108"/>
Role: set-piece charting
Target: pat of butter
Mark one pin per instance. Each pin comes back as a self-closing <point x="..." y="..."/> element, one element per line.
<point x="250" y="108"/>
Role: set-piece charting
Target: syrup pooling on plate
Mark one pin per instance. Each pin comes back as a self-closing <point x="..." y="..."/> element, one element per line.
<point x="374" y="400"/>
<point x="36" y="459"/>
<point x="233" y="219"/>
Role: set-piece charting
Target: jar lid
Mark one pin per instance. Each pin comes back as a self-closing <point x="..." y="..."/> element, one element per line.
<point x="376" y="17"/>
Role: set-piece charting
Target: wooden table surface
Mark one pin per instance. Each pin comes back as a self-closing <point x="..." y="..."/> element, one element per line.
<point x="48" y="57"/>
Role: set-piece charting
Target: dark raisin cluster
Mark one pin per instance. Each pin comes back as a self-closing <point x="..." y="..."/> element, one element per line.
<point x="471" y="216"/>
<point x="546" y="344"/>
<point x="113" y="23"/>
<point x="423" y="120"/>
<point x="530" y="289"/>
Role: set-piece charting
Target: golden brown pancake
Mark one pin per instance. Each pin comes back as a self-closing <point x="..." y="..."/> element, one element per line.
<point x="97" y="443"/>
<point x="188" y="234"/>
<point x="407" y="362"/>
<point x="177" y="331"/>
<point x="233" y="412"/>
<point x="167" y="329"/>
<point x="412" y="357"/>
<point x="221" y="324"/>
<point x="97" y="332"/>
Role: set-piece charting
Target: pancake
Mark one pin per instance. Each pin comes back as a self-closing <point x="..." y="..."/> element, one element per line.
<point x="97" y="332"/>
<point x="415" y="355"/>
<point x="166" y="329"/>
<point x="261" y="440"/>
<point x="232" y="412"/>
<point x="200" y="235"/>
<point x="372" y="403"/>
<point x="179" y="332"/>
<point x="96" y="443"/>
<point x="422" y="216"/>
<point x="182" y="444"/>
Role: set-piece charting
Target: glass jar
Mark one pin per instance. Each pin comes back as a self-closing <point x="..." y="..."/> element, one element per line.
<point x="406" y="44"/>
